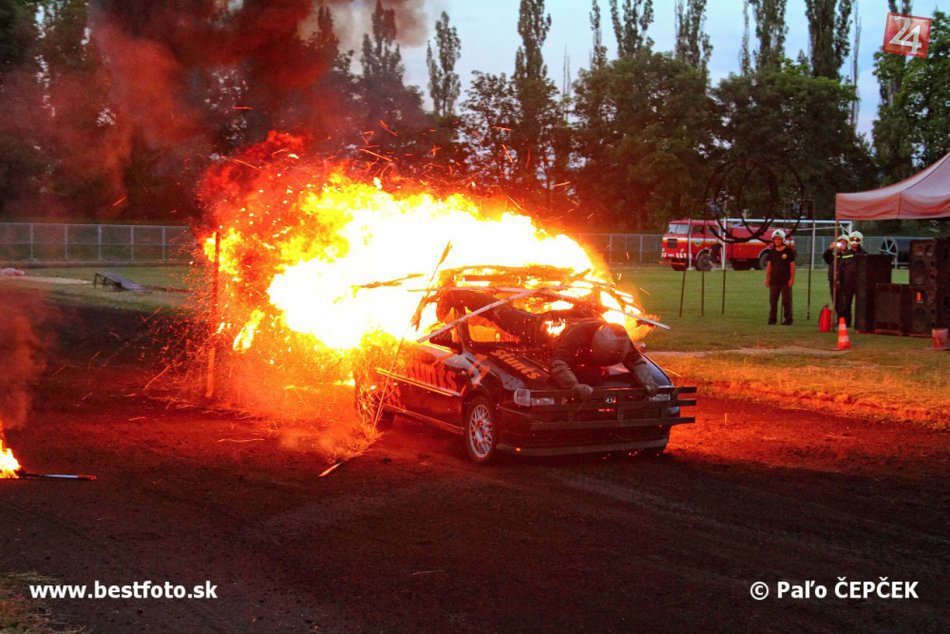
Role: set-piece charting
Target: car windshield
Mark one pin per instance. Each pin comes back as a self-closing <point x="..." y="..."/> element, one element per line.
<point x="680" y="228"/>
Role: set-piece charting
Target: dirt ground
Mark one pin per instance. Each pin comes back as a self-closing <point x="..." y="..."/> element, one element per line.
<point x="411" y="537"/>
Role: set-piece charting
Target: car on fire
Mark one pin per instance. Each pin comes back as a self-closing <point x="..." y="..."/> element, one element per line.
<point x="469" y="377"/>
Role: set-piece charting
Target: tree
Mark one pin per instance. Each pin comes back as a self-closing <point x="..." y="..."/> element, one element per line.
<point x="644" y="131"/>
<point x="829" y="22"/>
<point x="692" y="44"/>
<point x="630" y="25"/>
<point x="913" y="130"/>
<point x="491" y="111"/>
<point x="444" y="83"/>
<point x="390" y="111"/>
<point x="598" y="56"/>
<point x="770" y="30"/>
<point x="534" y="92"/>
<point x="792" y="123"/>
<point x="891" y="131"/>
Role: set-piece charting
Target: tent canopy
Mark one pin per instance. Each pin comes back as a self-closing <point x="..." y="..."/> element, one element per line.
<point x="923" y="196"/>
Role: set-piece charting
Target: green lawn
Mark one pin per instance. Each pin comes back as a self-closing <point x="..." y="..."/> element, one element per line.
<point x="737" y="352"/>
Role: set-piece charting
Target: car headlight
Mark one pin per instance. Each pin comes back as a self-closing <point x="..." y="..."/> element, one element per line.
<point x="524" y="398"/>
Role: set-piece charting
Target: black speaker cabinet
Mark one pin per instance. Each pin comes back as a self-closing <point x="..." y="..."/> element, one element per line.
<point x="872" y="270"/>
<point x="894" y="306"/>
<point x="942" y="258"/>
<point x="943" y="307"/>
<point x="923" y="264"/>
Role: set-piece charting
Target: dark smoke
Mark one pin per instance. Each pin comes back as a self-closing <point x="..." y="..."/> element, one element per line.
<point x="22" y="355"/>
<point x="164" y="86"/>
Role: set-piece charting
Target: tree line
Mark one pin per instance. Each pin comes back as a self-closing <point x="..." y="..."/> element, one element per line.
<point x="113" y="110"/>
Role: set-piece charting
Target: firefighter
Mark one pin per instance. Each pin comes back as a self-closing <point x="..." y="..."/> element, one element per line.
<point x="848" y="276"/>
<point x="780" y="278"/>
<point x="831" y="257"/>
<point x="579" y="354"/>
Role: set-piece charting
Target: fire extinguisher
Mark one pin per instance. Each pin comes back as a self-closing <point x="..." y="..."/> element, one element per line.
<point x="824" y="319"/>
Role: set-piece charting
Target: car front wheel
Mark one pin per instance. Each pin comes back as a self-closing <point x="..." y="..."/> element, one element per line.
<point x="481" y="430"/>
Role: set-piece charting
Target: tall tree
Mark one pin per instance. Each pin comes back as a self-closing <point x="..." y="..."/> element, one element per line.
<point x="692" y="43"/>
<point x="490" y="115"/>
<point x="644" y="132"/>
<point x="891" y="130"/>
<point x="598" y="55"/>
<point x="391" y="111"/>
<point x="534" y="92"/>
<point x="787" y="120"/>
<point x="829" y="24"/>
<point x="444" y="82"/>
<point x="913" y="129"/>
<point x="745" y="57"/>
<point x="770" y="31"/>
<point x="630" y="25"/>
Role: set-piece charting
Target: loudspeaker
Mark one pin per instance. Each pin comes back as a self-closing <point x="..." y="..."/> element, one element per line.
<point x="894" y="306"/>
<point x="943" y="307"/>
<point x="942" y="261"/>
<point x="923" y="315"/>
<point x="872" y="270"/>
<point x="923" y="264"/>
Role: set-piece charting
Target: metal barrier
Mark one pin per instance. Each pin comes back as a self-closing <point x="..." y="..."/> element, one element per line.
<point x="78" y="243"/>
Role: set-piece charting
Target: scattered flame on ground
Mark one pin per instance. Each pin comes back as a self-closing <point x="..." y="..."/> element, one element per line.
<point x="8" y="464"/>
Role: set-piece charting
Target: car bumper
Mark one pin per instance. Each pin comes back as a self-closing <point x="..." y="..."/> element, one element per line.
<point x="612" y="420"/>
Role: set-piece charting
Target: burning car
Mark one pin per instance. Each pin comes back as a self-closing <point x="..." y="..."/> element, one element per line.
<point x="467" y="375"/>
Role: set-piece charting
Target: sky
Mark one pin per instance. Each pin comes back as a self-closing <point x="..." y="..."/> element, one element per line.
<point x="489" y="37"/>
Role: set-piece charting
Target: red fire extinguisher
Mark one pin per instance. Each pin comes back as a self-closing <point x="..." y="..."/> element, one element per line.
<point x="824" y="319"/>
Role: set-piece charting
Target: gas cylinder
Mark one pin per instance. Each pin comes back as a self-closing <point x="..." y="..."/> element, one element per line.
<point x="824" y="319"/>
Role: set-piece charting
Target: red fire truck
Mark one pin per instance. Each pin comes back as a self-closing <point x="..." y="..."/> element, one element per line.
<point x="697" y="243"/>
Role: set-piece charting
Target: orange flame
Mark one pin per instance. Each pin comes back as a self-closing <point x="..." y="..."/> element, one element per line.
<point x="314" y="257"/>
<point x="8" y="464"/>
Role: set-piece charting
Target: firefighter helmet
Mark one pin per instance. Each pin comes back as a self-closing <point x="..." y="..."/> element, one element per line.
<point x="609" y="345"/>
<point x="778" y="233"/>
<point x="856" y="236"/>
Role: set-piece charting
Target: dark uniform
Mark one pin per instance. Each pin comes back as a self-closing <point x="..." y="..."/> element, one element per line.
<point x="779" y="275"/>
<point x="848" y="281"/>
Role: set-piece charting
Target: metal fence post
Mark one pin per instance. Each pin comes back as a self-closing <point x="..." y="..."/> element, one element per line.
<point x="641" y="248"/>
<point x="65" y="242"/>
<point x="32" y="256"/>
<point x="99" y="242"/>
<point x="163" y="245"/>
<point x="132" y="243"/>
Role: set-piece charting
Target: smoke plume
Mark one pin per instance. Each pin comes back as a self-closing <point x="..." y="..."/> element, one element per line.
<point x="21" y="353"/>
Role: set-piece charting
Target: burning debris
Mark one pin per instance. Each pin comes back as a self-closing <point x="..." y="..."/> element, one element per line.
<point x="9" y="466"/>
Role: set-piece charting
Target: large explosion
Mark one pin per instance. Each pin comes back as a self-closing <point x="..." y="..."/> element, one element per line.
<point x="313" y="260"/>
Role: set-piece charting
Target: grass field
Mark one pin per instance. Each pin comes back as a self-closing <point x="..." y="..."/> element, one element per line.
<point x="735" y="352"/>
<point x="738" y="353"/>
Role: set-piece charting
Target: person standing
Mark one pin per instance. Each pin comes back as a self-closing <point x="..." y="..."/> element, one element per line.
<point x="780" y="278"/>
<point x="832" y="256"/>
<point x="848" y="275"/>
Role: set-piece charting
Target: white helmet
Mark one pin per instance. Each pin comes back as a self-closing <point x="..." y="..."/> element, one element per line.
<point x="778" y="233"/>
<point x="856" y="236"/>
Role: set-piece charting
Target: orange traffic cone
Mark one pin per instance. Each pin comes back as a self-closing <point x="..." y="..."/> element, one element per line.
<point x="843" y="342"/>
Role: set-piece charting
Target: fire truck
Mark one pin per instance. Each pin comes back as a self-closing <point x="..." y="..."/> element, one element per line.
<point x="697" y="243"/>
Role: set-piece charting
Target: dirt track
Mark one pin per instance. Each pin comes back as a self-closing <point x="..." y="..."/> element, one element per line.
<point x="411" y="537"/>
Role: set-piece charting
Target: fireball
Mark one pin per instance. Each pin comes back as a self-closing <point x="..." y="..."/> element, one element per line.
<point x="8" y="464"/>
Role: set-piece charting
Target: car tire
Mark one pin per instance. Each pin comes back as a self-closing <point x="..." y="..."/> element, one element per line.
<point x="678" y="265"/>
<point x="366" y="399"/>
<point x="703" y="261"/>
<point x="763" y="261"/>
<point x="481" y="430"/>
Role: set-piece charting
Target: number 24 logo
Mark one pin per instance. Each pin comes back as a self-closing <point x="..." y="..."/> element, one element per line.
<point x="907" y="35"/>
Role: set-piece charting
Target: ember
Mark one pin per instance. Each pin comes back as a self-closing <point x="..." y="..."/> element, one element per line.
<point x="8" y="464"/>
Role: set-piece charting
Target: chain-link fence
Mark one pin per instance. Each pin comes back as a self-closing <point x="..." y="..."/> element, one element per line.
<point x="77" y="243"/>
